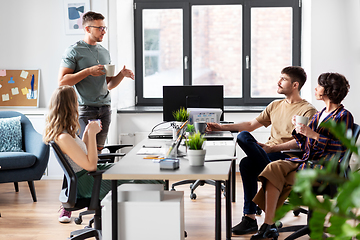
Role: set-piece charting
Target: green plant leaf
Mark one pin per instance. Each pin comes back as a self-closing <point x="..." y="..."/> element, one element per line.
<point x="317" y="224"/>
<point x="195" y="141"/>
<point x="181" y="115"/>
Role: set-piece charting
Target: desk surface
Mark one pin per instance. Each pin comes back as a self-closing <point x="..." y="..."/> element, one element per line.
<point x="133" y="166"/>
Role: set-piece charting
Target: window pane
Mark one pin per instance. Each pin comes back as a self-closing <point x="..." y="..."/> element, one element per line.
<point x="217" y="47"/>
<point x="271" y="48"/>
<point x="163" y="50"/>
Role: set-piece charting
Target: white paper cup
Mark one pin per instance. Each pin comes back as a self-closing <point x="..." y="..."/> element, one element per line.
<point x="301" y="119"/>
<point x="200" y="126"/>
<point x="96" y="120"/>
<point x="110" y="70"/>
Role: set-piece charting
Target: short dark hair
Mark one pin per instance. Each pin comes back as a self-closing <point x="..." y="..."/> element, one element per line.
<point x="336" y="86"/>
<point x="296" y="74"/>
<point x="91" y="16"/>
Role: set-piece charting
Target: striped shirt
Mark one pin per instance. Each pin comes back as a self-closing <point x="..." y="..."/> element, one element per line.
<point x="328" y="146"/>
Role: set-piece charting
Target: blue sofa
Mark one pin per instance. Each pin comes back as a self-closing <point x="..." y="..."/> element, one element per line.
<point x="29" y="165"/>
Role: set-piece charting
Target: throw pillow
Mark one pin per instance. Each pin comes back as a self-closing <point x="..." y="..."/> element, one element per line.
<point x="10" y="135"/>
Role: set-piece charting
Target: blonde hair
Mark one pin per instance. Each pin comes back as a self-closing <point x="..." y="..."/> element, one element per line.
<point x="63" y="114"/>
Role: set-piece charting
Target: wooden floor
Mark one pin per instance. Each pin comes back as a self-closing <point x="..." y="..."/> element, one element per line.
<point x="21" y="219"/>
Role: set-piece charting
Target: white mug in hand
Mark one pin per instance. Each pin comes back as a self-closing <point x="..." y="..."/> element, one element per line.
<point x="301" y="119"/>
<point x="98" y="121"/>
<point x="110" y="70"/>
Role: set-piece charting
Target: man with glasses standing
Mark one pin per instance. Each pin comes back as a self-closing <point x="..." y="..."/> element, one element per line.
<point x="82" y="67"/>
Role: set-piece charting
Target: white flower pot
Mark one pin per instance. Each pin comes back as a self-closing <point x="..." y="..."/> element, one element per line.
<point x="196" y="157"/>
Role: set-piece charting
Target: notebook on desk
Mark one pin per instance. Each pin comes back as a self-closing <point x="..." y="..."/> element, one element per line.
<point x="219" y="135"/>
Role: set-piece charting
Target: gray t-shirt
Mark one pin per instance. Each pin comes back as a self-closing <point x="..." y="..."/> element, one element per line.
<point x="91" y="91"/>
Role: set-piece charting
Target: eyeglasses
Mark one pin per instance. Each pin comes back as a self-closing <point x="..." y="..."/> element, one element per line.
<point x="100" y="28"/>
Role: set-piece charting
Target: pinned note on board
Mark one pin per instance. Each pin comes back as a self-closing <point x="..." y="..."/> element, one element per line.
<point x="24" y="74"/>
<point x="15" y="91"/>
<point x="5" y="97"/>
<point x="19" y="88"/>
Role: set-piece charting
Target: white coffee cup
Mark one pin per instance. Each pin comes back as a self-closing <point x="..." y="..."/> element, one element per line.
<point x="301" y="119"/>
<point x="200" y="126"/>
<point x="110" y="70"/>
<point x="96" y="120"/>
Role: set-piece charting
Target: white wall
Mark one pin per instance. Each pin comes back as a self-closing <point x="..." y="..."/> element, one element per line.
<point x="331" y="42"/>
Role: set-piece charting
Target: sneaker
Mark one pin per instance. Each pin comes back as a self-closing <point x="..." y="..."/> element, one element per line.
<point x="65" y="216"/>
<point x="247" y="225"/>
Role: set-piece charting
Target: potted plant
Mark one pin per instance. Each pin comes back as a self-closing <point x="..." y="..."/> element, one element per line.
<point x="181" y="115"/>
<point x="195" y="152"/>
<point x="190" y="129"/>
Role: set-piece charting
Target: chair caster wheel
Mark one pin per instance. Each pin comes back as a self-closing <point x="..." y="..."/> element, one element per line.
<point x="185" y="234"/>
<point x="193" y="196"/>
<point x="173" y="189"/>
<point x="78" y="221"/>
<point x="296" y="213"/>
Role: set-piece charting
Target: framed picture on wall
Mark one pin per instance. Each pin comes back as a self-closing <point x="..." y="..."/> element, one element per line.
<point x="74" y="10"/>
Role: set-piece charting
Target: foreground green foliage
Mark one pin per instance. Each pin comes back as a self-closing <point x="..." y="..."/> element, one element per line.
<point x="342" y="207"/>
<point x="195" y="141"/>
<point x="181" y="115"/>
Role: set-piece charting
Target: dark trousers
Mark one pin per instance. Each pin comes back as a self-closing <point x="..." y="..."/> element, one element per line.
<point x="252" y="165"/>
<point x="103" y="113"/>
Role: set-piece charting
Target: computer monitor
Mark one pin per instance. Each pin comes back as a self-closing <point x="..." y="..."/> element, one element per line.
<point x="199" y="96"/>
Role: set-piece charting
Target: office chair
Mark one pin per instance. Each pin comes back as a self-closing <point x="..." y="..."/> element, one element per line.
<point x="330" y="190"/>
<point x="103" y="158"/>
<point x="69" y="200"/>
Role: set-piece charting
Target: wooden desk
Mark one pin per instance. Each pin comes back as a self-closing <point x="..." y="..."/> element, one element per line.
<point x="133" y="166"/>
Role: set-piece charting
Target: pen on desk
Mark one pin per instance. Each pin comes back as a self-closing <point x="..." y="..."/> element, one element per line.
<point x="182" y="126"/>
<point x="153" y="157"/>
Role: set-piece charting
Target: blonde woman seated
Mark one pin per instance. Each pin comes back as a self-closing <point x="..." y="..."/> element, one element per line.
<point x="317" y="143"/>
<point x="62" y="126"/>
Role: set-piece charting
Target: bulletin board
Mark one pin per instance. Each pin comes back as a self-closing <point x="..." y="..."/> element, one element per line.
<point x="19" y="88"/>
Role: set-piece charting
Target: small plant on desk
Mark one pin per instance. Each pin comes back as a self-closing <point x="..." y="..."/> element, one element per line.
<point x="190" y="128"/>
<point x="195" y="152"/>
<point x="181" y="115"/>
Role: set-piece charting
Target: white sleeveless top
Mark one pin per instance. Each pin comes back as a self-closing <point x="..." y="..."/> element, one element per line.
<point x="82" y="145"/>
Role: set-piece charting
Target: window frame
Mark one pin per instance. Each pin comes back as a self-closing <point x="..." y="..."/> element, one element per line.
<point x="186" y="5"/>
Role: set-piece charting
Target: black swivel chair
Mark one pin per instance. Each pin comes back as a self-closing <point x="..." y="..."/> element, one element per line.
<point x="196" y="183"/>
<point x="103" y="158"/>
<point x="69" y="200"/>
<point x="330" y="190"/>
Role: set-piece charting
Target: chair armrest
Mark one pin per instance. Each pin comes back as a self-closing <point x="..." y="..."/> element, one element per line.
<point x="115" y="147"/>
<point x="95" y="196"/>
<point x="109" y="157"/>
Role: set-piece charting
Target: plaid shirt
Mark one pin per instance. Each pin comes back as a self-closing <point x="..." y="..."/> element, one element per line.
<point x="327" y="146"/>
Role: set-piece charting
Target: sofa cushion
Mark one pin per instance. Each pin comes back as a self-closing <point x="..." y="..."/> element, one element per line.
<point x="10" y="134"/>
<point x="16" y="160"/>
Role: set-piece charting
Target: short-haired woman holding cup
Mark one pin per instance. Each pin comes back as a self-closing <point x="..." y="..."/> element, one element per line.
<point x="317" y="143"/>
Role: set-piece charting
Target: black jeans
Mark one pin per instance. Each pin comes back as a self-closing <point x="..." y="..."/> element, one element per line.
<point x="103" y="113"/>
